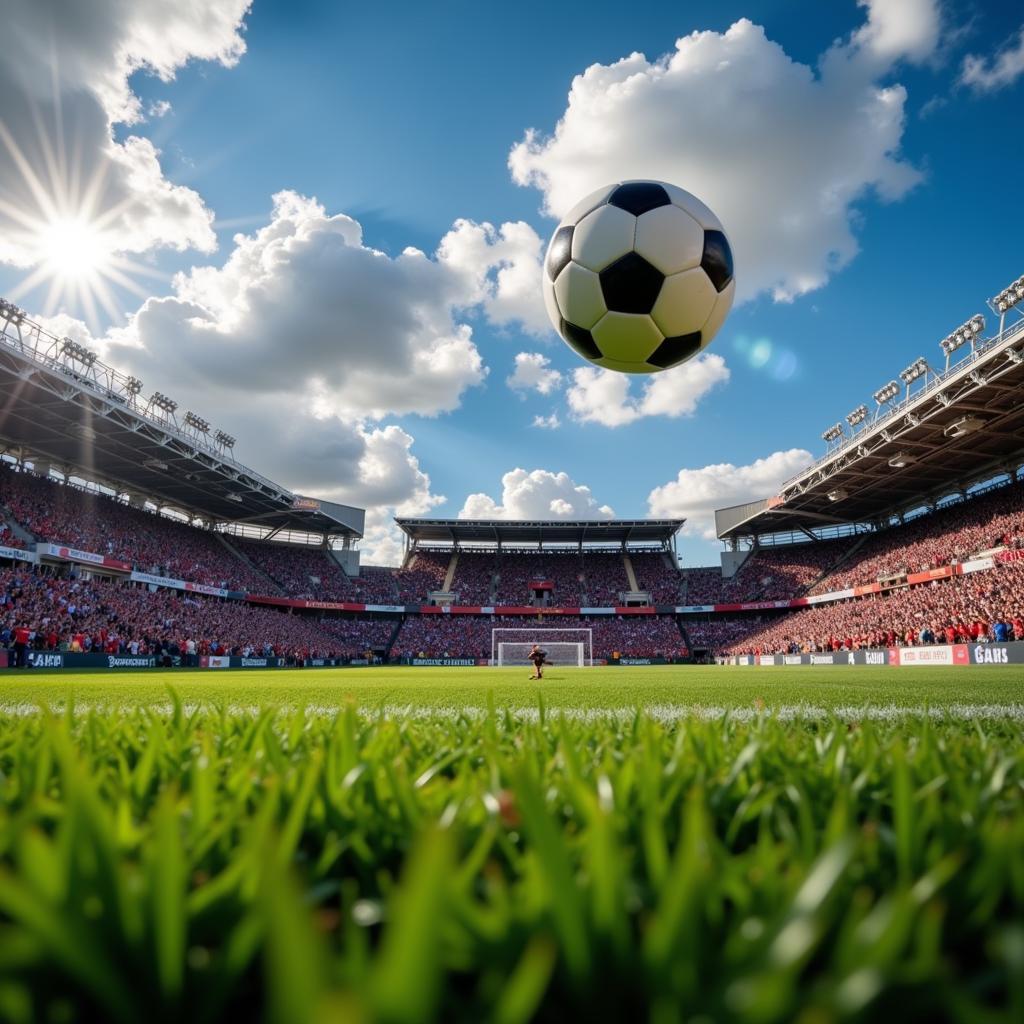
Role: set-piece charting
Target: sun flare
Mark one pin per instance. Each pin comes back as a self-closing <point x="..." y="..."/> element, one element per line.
<point x="73" y="249"/>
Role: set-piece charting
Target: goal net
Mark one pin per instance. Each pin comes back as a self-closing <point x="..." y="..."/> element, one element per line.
<point x="511" y="646"/>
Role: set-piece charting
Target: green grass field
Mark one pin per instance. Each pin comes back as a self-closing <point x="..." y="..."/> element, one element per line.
<point x="673" y="845"/>
<point x="682" y="687"/>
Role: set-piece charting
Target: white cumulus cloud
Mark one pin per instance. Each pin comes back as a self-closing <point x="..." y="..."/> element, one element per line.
<point x="551" y="422"/>
<point x="987" y="74"/>
<point x="533" y="372"/>
<point x="695" y="493"/>
<point x="536" y="494"/>
<point x="602" y="396"/>
<point x="303" y="311"/>
<point x="782" y="151"/>
<point x="502" y="271"/>
<point x="64" y="79"/>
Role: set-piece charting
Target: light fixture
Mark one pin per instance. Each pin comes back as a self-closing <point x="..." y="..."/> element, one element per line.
<point x="887" y="392"/>
<point x="224" y="440"/>
<point x="9" y="311"/>
<point x="966" y="334"/>
<point x="161" y="401"/>
<point x="963" y="426"/>
<point x="154" y="464"/>
<point x="901" y="459"/>
<point x="838" y="494"/>
<point x="196" y="422"/>
<point x="133" y="385"/>
<point x="80" y="353"/>
<point x="859" y="415"/>
<point x="235" y="497"/>
<point x="1009" y="296"/>
<point x="918" y="368"/>
<point x="833" y="433"/>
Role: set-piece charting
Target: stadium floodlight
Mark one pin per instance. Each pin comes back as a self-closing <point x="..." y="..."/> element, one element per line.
<point x="154" y="464"/>
<point x="966" y="334"/>
<point x="9" y="311"/>
<point x="833" y="433"/>
<point x="838" y="494"/>
<point x="901" y="459"/>
<point x="79" y="353"/>
<point x="1009" y="296"/>
<point x="196" y="422"/>
<point x="133" y="385"/>
<point x="161" y="401"/>
<point x="234" y="496"/>
<point x="887" y="392"/>
<point x="858" y="416"/>
<point x="224" y="440"/>
<point x="918" y="368"/>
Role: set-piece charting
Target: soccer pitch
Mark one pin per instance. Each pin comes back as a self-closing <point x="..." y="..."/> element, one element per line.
<point x="663" y="690"/>
<point x="669" y="844"/>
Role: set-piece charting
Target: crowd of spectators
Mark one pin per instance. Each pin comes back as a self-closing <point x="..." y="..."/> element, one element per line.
<point x="951" y="534"/>
<point x="425" y="573"/>
<point x="467" y="636"/>
<point x="518" y="570"/>
<point x="782" y="573"/>
<point x="474" y="576"/>
<point x="375" y="584"/>
<point x="70" y="516"/>
<point x="655" y="574"/>
<point x="8" y="539"/>
<point x="300" y="571"/>
<point x="71" y="614"/>
<point x="605" y="578"/>
<point x="961" y="609"/>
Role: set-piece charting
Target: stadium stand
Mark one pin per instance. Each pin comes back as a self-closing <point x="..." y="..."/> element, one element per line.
<point x="950" y="534"/>
<point x="961" y="609"/>
<point x="655" y="575"/>
<point x="108" y="617"/>
<point x="424" y="574"/>
<point x="473" y="581"/>
<point x="464" y="636"/>
<point x="66" y="514"/>
<point x="605" y="578"/>
<point x="308" y="572"/>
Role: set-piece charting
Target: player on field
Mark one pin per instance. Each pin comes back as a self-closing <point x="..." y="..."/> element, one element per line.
<point x="539" y="659"/>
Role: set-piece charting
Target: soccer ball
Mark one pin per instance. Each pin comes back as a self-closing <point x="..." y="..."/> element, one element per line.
<point x="638" y="276"/>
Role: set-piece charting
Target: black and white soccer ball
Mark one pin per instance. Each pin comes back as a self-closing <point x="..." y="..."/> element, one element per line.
<point x="638" y="277"/>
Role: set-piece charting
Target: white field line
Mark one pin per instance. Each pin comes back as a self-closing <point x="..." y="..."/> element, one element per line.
<point x="664" y="713"/>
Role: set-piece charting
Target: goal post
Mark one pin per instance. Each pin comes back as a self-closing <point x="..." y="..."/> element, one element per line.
<point x="510" y="645"/>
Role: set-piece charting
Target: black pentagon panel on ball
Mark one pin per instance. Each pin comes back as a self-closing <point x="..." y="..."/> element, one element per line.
<point x="674" y="350"/>
<point x="717" y="259"/>
<point x="581" y="340"/>
<point x="631" y="284"/>
<point x="560" y="251"/>
<point x="637" y="197"/>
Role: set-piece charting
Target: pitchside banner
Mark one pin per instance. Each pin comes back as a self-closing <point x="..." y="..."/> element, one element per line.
<point x="60" y="659"/>
<point x="173" y="584"/>
<point x="937" y="654"/>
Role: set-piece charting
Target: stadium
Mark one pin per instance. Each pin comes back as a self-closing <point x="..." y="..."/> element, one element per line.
<point x="136" y="546"/>
<point x="131" y="532"/>
<point x="437" y="582"/>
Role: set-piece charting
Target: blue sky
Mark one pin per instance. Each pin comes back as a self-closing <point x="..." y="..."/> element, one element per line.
<point x="403" y="118"/>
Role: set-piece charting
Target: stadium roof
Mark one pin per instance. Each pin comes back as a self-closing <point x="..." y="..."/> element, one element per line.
<point x="62" y="406"/>
<point x="536" y="531"/>
<point x="960" y="427"/>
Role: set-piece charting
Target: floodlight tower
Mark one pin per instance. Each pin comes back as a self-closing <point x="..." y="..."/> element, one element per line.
<point x="1008" y="299"/>
<point x="966" y="334"/>
<point x="164" y="407"/>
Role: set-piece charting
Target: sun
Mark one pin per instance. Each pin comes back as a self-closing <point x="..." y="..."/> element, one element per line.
<point x="74" y="249"/>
